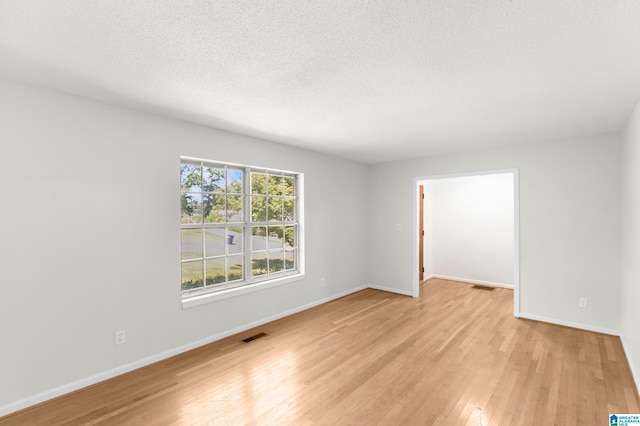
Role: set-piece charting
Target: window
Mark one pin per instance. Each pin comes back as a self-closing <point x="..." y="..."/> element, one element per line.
<point x="240" y="225"/>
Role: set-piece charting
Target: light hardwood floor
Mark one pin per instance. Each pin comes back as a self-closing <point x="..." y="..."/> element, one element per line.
<point x="454" y="356"/>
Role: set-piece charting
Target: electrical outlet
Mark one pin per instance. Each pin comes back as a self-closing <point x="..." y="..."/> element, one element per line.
<point x="323" y="282"/>
<point x="397" y="226"/>
<point x="121" y="337"/>
<point x="583" y="302"/>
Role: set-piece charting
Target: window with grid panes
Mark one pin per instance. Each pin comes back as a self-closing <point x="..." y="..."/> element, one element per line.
<point x="239" y="225"/>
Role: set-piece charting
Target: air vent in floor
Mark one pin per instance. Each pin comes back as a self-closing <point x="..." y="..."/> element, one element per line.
<point x="252" y="338"/>
<point x="483" y="287"/>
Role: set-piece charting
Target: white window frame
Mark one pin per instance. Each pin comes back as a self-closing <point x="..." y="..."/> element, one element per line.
<point x="199" y="296"/>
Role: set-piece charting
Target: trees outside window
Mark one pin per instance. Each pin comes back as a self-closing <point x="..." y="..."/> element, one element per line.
<point x="239" y="225"/>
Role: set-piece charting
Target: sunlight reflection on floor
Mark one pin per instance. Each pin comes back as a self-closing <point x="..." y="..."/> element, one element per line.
<point x="270" y="386"/>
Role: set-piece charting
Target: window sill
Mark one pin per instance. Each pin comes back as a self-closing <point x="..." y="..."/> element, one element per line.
<point x="203" y="299"/>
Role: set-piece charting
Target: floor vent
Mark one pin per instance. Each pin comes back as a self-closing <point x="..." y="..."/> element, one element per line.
<point x="483" y="287"/>
<point x="252" y="338"/>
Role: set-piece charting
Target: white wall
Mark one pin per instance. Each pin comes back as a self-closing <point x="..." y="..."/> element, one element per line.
<point x="569" y="223"/>
<point x="472" y="228"/>
<point x="630" y="300"/>
<point x="89" y="236"/>
<point x="85" y="252"/>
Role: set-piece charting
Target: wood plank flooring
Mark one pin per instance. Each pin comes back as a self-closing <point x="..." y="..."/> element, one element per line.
<point x="454" y="356"/>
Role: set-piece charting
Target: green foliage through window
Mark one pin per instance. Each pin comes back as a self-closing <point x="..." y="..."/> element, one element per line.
<point x="237" y="224"/>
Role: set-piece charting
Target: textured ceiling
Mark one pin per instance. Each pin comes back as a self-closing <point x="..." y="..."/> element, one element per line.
<point x="368" y="80"/>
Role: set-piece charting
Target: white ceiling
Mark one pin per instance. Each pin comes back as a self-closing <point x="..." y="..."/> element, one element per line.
<point x="370" y="80"/>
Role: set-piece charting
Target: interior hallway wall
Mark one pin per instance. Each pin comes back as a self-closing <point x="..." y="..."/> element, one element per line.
<point x="569" y="223"/>
<point x="472" y="228"/>
<point x="630" y="292"/>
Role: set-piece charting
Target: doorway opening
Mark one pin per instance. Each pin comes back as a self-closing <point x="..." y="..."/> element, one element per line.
<point x="466" y="228"/>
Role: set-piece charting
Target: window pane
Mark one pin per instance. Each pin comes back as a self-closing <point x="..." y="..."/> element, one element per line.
<point x="191" y="205"/>
<point x="213" y="200"/>
<point x="258" y="209"/>
<point x="276" y="262"/>
<point x="289" y="237"/>
<point x="235" y="268"/>
<point x="275" y="185"/>
<point x="234" y="181"/>
<point x="235" y="240"/>
<point x="276" y="237"/>
<point x="289" y="260"/>
<point x="213" y="179"/>
<point x="289" y="210"/>
<point x="275" y="209"/>
<point x="214" y="208"/>
<point x="258" y="238"/>
<point x="214" y="242"/>
<point x="190" y="177"/>
<point x="289" y="186"/>
<point x="259" y="183"/>
<point x="191" y="275"/>
<point x="234" y="208"/>
<point x="259" y="264"/>
<point x="191" y="243"/>
<point x="215" y="270"/>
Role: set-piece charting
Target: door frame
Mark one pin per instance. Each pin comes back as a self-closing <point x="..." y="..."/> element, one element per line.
<point x="516" y="227"/>
<point x="421" y="233"/>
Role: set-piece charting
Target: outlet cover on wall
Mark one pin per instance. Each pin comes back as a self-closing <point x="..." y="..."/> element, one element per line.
<point x="583" y="302"/>
<point x="121" y="337"/>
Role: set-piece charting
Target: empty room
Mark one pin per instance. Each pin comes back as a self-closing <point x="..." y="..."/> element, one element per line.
<point x="212" y="212"/>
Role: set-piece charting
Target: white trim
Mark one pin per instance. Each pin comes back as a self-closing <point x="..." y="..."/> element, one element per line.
<point x="468" y="174"/>
<point x="428" y="277"/>
<point x="415" y="274"/>
<point x="470" y="281"/>
<point x="391" y="290"/>
<point x="259" y="169"/>
<point x="516" y="228"/>
<point x="516" y="242"/>
<point x="301" y="228"/>
<point x="88" y="381"/>
<point x="216" y="296"/>
<point x="197" y="297"/>
<point x="634" y="371"/>
<point x="571" y="324"/>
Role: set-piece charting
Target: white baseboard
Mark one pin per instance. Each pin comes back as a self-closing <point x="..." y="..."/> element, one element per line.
<point x="428" y="277"/>
<point x="632" y="367"/>
<point x="570" y="324"/>
<point x="97" y="378"/>
<point x="470" y="281"/>
<point x="390" y="290"/>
